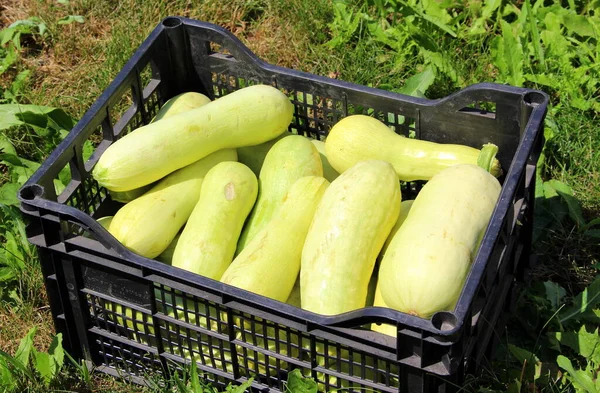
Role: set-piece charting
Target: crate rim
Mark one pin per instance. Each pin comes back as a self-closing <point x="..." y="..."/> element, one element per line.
<point x="31" y="194"/>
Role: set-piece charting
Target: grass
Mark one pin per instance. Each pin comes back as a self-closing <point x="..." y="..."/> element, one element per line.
<point x="73" y="64"/>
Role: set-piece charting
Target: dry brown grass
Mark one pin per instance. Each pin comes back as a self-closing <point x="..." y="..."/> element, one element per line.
<point x="77" y="61"/>
<point x="15" y="323"/>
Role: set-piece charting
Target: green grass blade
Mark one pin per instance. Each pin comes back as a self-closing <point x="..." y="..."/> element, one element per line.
<point x="587" y="299"/>
<point x="535" y="36"/>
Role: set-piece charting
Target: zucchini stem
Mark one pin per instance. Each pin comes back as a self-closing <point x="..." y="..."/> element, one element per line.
<point x="487" y="159"/>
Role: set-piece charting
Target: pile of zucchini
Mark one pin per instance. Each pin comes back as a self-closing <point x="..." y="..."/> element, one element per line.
<point x="219" y="188"/>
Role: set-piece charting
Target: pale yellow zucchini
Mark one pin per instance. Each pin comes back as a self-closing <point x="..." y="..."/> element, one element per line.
<point x="128" y="196"/>
<point x="288" y="160"/>
<point x="254" y="156"/>
<point x="329" y="172"/>
<point x="349" y="228"/>
<point x="105" y="221"/>
<point x="209" y="238"/>
<point x="148" y="224"/>
<point x="294" y="298"/>
<point x="426" y="263"/>
<point x="404" y="209"/>
<point x="178" y="104"/>
<point x="181" y="103"/>
<point x="167" y="255"/>
<point x="359" y="137"/>
<point x="378" y="300"/>
<point x="248" y="116"/>
<point x="270" y="263"/>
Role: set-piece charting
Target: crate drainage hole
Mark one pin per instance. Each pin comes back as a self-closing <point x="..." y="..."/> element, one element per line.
<point x="444" y="321"/>
<point x="534" y="98"/>
<point x="171" y="22"/>
<point x="31" y="192"/>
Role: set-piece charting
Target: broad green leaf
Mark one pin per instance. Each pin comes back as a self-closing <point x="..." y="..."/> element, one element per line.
<point x="436" y="9"/>
<point x="418" y="84"/>
<point x="554" y="293"/>
<point x="70" y="19"/>
<point x="586" y="300"/>
<point x="566" y="193"/>
<point x="582" y="342"/>
<point x="579" y="378"/>
<point x="297" y="383"/>
<point x="39" y="117"/>
<point x="579" y="24"/>
<point x="8" y="194"/>
<point x="25" y="347"/>
<point x="8" y="58"/>
<point x="57" y="353"/>
<point x="513" y="55"/>
<point x="595" y="233"/>
<point x="441" y="65"/>
<point x="7" y="379"/>
<point x="10" y="159"/>
<point x="7" y="34"/>
<point x="345" y="23"/>
<point x="11" y="247"/>
<point x="43" y="366"/>
<point x="532" y="364"/>
<point x="553" y="22"/>
<point x="6" y="146"/>
<point x="242" y="387"/>
<point x="544" y="80"/>
<point x="478" y="25"/>
<point x="438" y="23"/>
<point x="15" y="364"/>
<point x="6" y="273"/>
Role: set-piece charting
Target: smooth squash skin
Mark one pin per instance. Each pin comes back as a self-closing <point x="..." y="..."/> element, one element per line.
<point x="347" y="233"/>
<point x="248" y="116"/>
<point x="254" y="156"/>
<point x="210" y="236"/>
<point x="384" y="328"/>
<point x="294" y="298"/>
<point x="128" y="196"/>
<point x="270" y="263"/>
<point x="329" y="172"/>
<point x="181" y="103"/>
<point x="148" y="224"/>
<point x="404" y="210"/>
<point x="426" y="263"/>
<point x="167" y="255"/>
<point x="288" y="160"/>
<point x="178" y="104"/>
<point x="359" y="137"/>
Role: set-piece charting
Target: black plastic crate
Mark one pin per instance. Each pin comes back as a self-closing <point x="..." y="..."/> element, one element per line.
<point x="129" y="315"/>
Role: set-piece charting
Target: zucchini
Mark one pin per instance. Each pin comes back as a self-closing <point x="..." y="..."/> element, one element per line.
<point x="288" y="160"/>
<point x="270" y="263"/>
<point x="329" y="172"/>
<point x="427" y="261"/>
<point x="248" y="116"/>
<point x="348" y="230"/>
<point x="359" y="137"/>
<point x="148" y="224"/>
<point x="181" y="103"/>
<point x="209" y="239"/>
